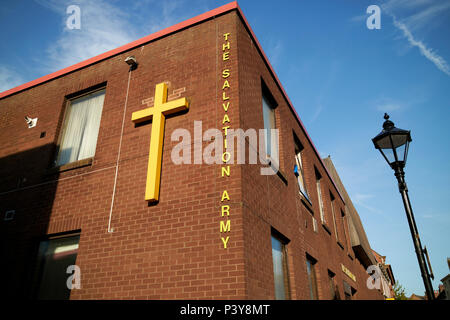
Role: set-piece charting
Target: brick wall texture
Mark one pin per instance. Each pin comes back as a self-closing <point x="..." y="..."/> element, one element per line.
<point x="171" y="250"/>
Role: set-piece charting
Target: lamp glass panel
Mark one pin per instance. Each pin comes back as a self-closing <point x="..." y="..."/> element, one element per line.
<point x="389" y="154"/>
<point x="401" y="152"/>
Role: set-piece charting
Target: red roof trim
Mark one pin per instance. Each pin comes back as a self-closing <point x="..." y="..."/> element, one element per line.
<point x="200" y="18"/>
<point x="207" y="15"/>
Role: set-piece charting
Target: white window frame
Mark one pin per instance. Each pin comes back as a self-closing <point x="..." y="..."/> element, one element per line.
<point x="301" y="177"/>
<point x="333" y="201"/>
<point x="93" y="128"/>
<point x="269" y="119"/>
<point x="319" y="195"/>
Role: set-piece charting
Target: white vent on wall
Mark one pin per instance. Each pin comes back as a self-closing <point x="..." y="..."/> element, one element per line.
<point x="9" y="215"/>
<point x="31" y="122"/>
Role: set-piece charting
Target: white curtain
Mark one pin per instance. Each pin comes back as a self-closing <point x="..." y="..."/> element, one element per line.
<point x="300" y="178"/>
<point x="319" y="193"/>
<point x="269" y="123"/>
<point x="82" y="123"/>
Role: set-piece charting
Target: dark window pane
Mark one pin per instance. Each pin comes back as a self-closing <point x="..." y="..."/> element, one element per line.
<point x="54" y="256"/>
<point x="334" y="292"/>
<point x="348" y="291"/>
<point x="312" y="279"/>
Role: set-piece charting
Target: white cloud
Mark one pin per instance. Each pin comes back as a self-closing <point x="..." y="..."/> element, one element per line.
<point x="426" y="12"/>
<point x="9" y="78"/>
<point x="385" y="104"/>
<point x="165" y="16"/>
<point x="424" y="17"/>
<point x="317" y="112"/>
<point x="361" y="200"/>
<point x="393" y="5"/>
<point x="103" y="27"/>
<point x="360" y="18"/>
<point x="331" y="75"/>
<point x="274" y="52"/>
<point x="429" y="53"/>
<point x="389" y="107"/>
<point x="362" y="197"/>
<point x="106" y="26"/>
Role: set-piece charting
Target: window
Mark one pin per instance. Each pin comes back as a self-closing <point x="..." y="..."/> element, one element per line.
<point x="319" y="194"/>
<point x="298" y="169"/>
<point x="349" y="292"/>
<point x="334" y="217"/>
<point x="315" y="229"/>
<point x="54" y="256"/>
<point x="268" y="106"/>
<point x="334" y="292"/>
<point x="80" y="129"/>
<point x="312" y="278"/>
<point x="280" y="270"/>
<point x="343" y="227"/>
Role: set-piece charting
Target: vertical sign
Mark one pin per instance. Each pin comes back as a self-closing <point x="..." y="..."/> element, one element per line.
<point x="225" y="222"/>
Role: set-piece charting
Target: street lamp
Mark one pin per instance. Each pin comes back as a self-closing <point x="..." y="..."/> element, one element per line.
<point x="393" y="144"/>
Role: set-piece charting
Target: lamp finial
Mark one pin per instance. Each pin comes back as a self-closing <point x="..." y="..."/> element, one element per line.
<point x="388" y="124"/>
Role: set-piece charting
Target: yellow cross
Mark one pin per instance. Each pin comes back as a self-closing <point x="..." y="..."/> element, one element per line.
<point x="157" y="114"/>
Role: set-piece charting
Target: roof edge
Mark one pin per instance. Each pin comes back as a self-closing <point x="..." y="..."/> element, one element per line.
<point x="154" y="36"/>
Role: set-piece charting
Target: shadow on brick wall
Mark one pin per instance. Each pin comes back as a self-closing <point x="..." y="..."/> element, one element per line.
<point x="27" y="192"/>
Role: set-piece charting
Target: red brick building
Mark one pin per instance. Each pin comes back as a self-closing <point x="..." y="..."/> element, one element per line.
<point x="72" y="188"/>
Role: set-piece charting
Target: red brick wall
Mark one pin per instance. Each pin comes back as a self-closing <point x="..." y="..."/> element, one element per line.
<point x="171" y="250"/>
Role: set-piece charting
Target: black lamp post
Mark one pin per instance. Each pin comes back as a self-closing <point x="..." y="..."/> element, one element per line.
<point x="393" y="144"/>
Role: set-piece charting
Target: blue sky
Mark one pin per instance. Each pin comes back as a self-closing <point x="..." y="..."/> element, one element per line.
<point x="340" y="76"/>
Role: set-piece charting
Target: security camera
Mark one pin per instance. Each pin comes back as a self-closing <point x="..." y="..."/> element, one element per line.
<point x="31" y="122"/>
<point x="131" y="61"/>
